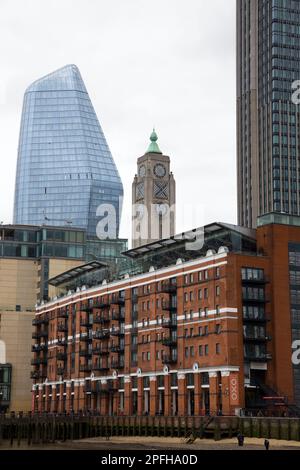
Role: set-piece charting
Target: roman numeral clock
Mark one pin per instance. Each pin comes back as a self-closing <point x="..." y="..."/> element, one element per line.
<point x="153" y="197"/>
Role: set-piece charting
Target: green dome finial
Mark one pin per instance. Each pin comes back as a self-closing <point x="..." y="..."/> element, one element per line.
<point x="153" y="147"/>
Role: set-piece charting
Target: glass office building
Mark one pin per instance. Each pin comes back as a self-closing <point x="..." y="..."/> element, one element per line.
<point x="65" y="170"/>
<point x="268" y="121"/>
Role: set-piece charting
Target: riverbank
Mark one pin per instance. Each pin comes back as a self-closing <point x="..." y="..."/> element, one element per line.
<point x="154" y="443"/>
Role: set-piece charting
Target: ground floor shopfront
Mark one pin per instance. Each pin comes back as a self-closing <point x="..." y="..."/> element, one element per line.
<point x="171" y="394"/>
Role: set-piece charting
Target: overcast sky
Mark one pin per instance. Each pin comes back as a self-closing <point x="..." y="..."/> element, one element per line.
<point x="168" y="63"/>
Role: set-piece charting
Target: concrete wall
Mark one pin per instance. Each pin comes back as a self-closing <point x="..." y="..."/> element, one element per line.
<point x="16" y="332"/>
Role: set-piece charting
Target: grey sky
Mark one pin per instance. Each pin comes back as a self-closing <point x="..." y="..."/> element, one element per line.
<point x="168" y="63"/>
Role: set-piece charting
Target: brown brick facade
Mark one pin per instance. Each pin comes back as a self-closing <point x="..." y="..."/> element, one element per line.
<point x="173" y="341"/>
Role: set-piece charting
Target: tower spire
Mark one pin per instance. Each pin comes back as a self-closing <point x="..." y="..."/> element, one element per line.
<point x="153" y="147"/>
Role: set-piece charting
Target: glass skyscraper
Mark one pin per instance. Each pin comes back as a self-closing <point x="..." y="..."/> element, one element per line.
<point x="65" y="170"/>
<point x="268" y="121"/>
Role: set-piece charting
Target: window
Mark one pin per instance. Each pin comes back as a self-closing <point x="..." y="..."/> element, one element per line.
<point x="206" y="330"/>
<point x="190" y="379"/>
<point x="200" y="276"/>
<point x="148" y="356"/>
<point x="191" y="332"/>
<point x="217" y="310"/>
<point x="200" y="294"/>
<point x="146" y="382"/>
<point x="217" y="291"/>
<point x="186" y="297"/>
<point x="200" y="331"/>
<point x="192" y="351"/>
<point x="206" y="312"/>
<point x="218" y="329"/>
<point x="174" y="380"/>
<point x="206" y="293"/>
<point x="191" y="296"/>
<point x="186" y="352"/>
<point x="206" y="274"/>
<point x="218" y="348"/>
<point x="200" y="350"/>
<point x="191" y="278"/>
<point x="186" y="333"/>
<point x="186" y="279"/>
<point x="206" y="349"/>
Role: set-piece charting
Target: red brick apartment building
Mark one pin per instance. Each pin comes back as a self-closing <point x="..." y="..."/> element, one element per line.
<point x="197" y="332"/>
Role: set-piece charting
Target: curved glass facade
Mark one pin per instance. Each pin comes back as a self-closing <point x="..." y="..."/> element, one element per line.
<point x="65" y="170"/>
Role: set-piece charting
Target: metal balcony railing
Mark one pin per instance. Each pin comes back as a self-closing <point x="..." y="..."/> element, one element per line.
<point x="169" y="359"/>
<point x="102" y="334"/>
<point x="62" y="327"/>
<point x="168" y="288"/>
<point x="169" y="323"/>
<point x="100" y="351"/>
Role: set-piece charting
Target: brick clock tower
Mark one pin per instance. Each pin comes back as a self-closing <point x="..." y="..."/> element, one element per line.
<point x="153" y="197"/>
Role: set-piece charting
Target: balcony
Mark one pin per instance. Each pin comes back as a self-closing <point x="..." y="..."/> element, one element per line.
<point x="169" y="360"/>
<point x="86" y="322"/>
<point x="85" y="367"/>
<point x="61" y="356"/>
<point x="102" y="334"/>
<point x="40" y="321"/>
<point x="117" y="300"/>
<point x="101" y="320"/>
<point x="62" y="328"/>
<point x="100" y="367"/>
<point x="102" y="304"/>
<point x="170" y="342"/>
<point x="62" y="314"/>
<point x="38" y="361"/>
<point x="259" y="319"/>
<point x="86" y="338"/>
<point x="117" y="365"/>
<point x="169" y="323"/>
<point x="117" y="349"/>
<point x="100" y="351"/>
<point x="257" y="357"/>
<point x="85" y="353"/>
<point x="35" y="375"/>
<point x="256" y="339"/>
<point x="40" y="334"/>
<point x="62" y="342"/>
<point x="117" y="332"/>
<point x="118" y="316"/>
<point x="101" y="391"/>
<point x="39" y="347"/>
<point x="259" y="281"/>
<point x="169" y="306"/>
<point x="168" y="288"/>
<point x="260" y="299"/>
<point x="86" y="308"/>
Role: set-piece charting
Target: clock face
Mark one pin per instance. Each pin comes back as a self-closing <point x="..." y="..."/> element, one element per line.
<point x="142" y="171"/>
<point x="159" y="170"/>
